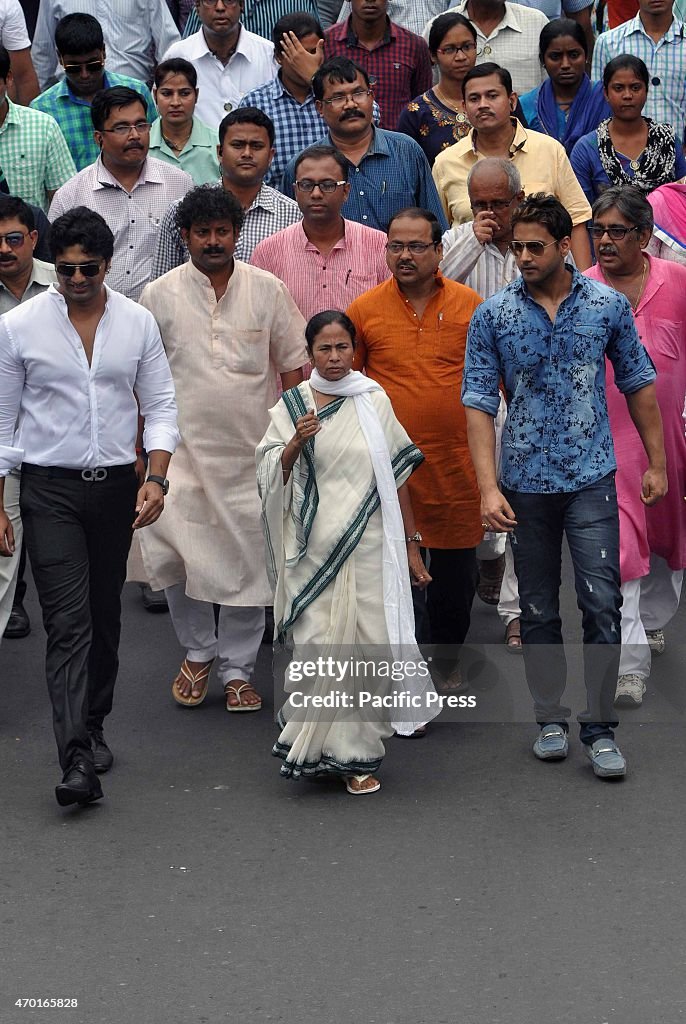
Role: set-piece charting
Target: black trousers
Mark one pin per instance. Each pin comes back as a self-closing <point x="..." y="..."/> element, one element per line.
<point x="78" y="535"/>
<point x="444" y="619"/>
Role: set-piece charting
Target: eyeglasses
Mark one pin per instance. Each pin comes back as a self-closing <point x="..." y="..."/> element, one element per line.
<point x="328" y="185"/>
<point x="91" y="269"/>
<point x="15" y="239"/>
<point x="450" y="51"/>
<point x="535" y="248"/>
<point x="492" y="204"/>
<point x="341" y="98"/>
<point x="91" y="66"/>
<point x="616" y="231"/>
<point x="213" y="3"/>
<point x="416" y="248"/>
<point x="142" y="127"/>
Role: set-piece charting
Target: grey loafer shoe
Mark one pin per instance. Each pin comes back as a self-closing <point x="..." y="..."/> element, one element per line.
<point x="606" y="757"/>
<point x="552" y="744"/>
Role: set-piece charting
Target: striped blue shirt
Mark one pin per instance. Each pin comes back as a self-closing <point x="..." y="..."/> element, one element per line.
<point x="666" y="63"/>
<point x="260" y="16"/>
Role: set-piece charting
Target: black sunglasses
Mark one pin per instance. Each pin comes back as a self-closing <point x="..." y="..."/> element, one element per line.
<point x="87" y="269"/>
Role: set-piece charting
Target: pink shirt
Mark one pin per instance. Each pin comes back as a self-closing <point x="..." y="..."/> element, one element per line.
<point x="356" y="263"/>
<point x="661" y="323"/>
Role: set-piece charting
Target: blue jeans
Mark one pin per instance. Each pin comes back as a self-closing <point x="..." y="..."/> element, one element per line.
<point x="590" y="521"/>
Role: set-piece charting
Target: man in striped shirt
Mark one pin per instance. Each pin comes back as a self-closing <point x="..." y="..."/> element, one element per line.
<point x="260" y="16"/>
<point x="324" y="260"/>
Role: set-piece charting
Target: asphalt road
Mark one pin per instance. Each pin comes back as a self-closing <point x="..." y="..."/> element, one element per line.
<point x="478" y="887"/>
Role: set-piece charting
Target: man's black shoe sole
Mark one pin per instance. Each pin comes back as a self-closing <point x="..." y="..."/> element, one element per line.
<point x="67" y="796"/>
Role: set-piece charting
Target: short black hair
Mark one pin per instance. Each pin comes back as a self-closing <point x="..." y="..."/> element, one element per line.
<point x="561" y="27"/>
<point x="13" y="206"/>
<point x="626" y="61"/>
<point x="247" y="115"/>
<point x="206" y="203"/>
<point x="78" y="33"/>
<point x="485" y="71"/>
<point x="546" y="210"/>
<point x="176" y="66"/>
<point x="419" y="213"/>
<point x="336" y="70"/>
<point x="4" y="64"/>
<point x="321" y="152"/>
<point x="320" y="320"/>
<point x="300" y="24"/>
<point x="443" y="24"/>
<point x="84" y="227"/>
<point x="107" y="100"/>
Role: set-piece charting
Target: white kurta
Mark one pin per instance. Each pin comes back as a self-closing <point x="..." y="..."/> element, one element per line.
<point x="224" y="358"/>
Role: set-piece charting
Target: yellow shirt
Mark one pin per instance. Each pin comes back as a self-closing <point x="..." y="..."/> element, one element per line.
<point x="542" y="164"/>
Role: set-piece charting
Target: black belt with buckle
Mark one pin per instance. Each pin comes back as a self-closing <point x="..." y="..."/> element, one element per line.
<point x="89" y="475"/>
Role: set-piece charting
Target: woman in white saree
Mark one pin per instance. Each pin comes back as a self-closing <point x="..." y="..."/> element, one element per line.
<point x="342" y="546"/>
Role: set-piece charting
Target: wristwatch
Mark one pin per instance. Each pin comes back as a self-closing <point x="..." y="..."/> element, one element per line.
<point x="161" y="480"/>
<point x="416" y="536"/>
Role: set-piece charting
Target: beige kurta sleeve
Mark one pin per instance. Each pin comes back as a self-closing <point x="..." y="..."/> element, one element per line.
<point x="287" y="349"/>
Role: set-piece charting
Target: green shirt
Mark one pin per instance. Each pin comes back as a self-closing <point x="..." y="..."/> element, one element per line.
<point x="198" y="157"/>
<point x="33" y="154"/>
<point x="42" y="276"/>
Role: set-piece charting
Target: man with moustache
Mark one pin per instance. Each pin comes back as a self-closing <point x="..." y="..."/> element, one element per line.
<point x="246" y="150"/>
<point x="227" y="327"/>
<point x="387" y="170"/>
<point x="130" y="189"/>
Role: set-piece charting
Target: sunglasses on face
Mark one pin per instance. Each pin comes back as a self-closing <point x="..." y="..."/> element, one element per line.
<point x="534" y="248"/>
<point x="87" y="269"/>
<point x="616" y="231"/>
<point x="15" y="239"/>
<point x="91" y="66"/>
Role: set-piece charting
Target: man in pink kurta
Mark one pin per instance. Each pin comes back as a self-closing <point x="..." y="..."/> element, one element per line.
<point x="652" y="540"/>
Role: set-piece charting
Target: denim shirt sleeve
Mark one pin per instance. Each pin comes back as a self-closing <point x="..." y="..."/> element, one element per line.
<point x="482" y="364"/>
<point x="634" y="369"/>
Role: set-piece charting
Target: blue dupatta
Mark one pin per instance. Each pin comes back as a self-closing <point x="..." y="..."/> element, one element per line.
<point x="585" y="114"/>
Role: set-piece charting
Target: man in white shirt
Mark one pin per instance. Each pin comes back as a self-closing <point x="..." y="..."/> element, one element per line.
<point x="230" y="61"/>
<point x="76" y="363"/>
<point x="130" y="189"/>
<point x="15" y="39"/>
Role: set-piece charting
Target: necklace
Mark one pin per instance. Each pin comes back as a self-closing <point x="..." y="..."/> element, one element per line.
<point x="452" y="104"/>
<point x="634" y="305"/>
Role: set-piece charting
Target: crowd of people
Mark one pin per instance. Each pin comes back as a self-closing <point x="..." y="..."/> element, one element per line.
<point x="346" y="311"/>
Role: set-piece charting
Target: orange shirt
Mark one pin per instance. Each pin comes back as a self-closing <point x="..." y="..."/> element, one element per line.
<point x="419" y="363"/>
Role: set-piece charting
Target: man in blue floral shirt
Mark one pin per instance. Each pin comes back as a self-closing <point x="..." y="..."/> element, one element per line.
<point x="545" y="337"/>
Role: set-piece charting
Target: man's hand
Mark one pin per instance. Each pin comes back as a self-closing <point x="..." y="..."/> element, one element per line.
<point x="298" y="59"/>
<point x="6" y="536"/>
<point x="149" y="504"/>
<point x="653" y="486"/>
<point x="496" y="513"/>
<point x="483" y="226"/>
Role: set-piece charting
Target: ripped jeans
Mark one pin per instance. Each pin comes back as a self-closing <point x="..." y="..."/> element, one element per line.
<point x="590" y="521"/>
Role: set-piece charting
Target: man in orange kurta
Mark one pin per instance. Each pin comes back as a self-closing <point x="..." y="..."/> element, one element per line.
<point x="411" y="337"/>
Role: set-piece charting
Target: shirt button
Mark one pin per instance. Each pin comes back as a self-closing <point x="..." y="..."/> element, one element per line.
<point x="361" y="193"/>
<point x="130" y="247"/>
<point x="655" y="81"/>
<point x="133" y="222"/>
<point x="545" y="451"/>
<point x="364" y="216"/>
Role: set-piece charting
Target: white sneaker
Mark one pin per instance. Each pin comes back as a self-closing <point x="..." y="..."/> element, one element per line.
<point x="656" y="640"/>
<point x="630" y="690"/>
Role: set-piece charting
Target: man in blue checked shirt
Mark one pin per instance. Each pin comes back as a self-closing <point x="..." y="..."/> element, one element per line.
<point x="387" y="170"/>
<point x="546" y="336"/>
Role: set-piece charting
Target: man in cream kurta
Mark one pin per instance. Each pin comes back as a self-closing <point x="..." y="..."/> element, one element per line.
<point x="228" y="329"/>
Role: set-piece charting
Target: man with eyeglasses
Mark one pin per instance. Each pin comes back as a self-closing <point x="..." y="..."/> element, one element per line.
<point x="324" y="260"/>
<point x="230" y="61"/>
<point x="76" y="364"/>
<point x="81" y="52"/>
<point x="397" y="61"/>
<point x="652" y="548"/>
<point x="546" y="337"/>
<point x="411" y="336"/>
<point x="386" y="170"/>
<point x="130" y="189"/>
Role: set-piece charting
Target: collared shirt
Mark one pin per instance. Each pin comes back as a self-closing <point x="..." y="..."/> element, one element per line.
<point x="513" y="44"/>
<point x="481" y="267"/>
<point x="33" y="154"/>
<point x="392" y="174"/>
<point x="413" y="15"/>
<point x="260" y="16"/>
<point x="557" y="8"/>
<point x="197" y="158"/>
<point x="356" y="263"/>
<point x="136" y="33"/>
<point x="222" y="86"/>
<point x="13" y="34"/>
<point x="399" y="68"/>
<point x="557" y="433"/>
<point x="541" y="161"/>
<point x="73" y="114"/>
<point x="134" y="216"/>
<point x="666" y="63"/>
<point x="56" y="410"/>
<point x="268" y="213"/>
<point x="42" y="276"/>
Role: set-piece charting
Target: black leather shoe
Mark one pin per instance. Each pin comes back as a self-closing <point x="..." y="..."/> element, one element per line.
<point x="80" y="785"/>
<point x="18" y="624"/>
<point x="153" y="600"/>
<point x="103" y="758"/>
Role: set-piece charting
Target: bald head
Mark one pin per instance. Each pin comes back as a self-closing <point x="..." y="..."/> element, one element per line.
<point x="495" y="190"/>
<point x="494" y="170"/>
